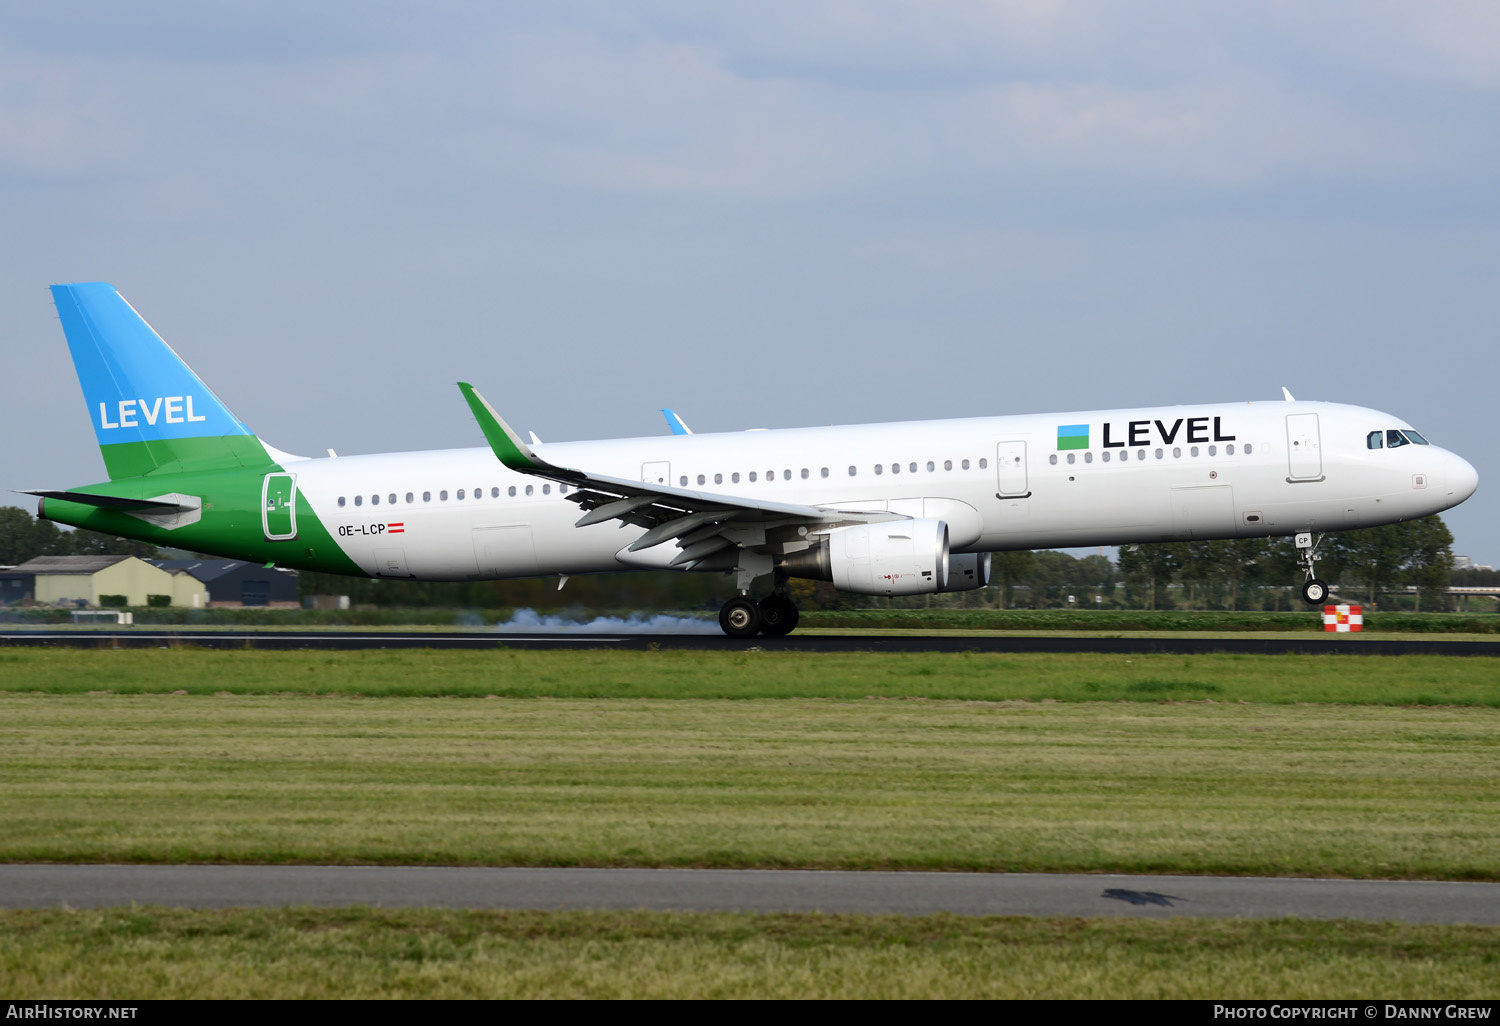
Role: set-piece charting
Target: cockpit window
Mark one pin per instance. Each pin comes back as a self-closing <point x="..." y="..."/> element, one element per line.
<point x="1375" y="439"/>
<point x="1394" y="438"/>
<point x="1415" y="437"/>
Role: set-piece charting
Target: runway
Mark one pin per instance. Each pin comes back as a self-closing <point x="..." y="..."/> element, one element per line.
<point x="1181" y="644"/>
<point x="1010" y="894"/>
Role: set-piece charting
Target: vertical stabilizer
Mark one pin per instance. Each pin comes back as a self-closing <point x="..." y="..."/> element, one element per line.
<point x="150" y="411"/>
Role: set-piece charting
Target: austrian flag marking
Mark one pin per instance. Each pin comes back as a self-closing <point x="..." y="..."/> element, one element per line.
<point x="395" y="528"/>
<point x="1343" y="618"/>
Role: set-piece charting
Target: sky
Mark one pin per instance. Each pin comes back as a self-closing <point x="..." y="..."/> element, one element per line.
<point x="760" y="214"/>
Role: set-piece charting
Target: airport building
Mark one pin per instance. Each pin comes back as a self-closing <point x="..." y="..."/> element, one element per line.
<point x="234" y="582"/>
<point x="100" y="580"/>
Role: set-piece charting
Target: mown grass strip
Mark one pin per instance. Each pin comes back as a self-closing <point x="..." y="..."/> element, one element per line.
<point x="146" y="953"/>
<point x="892" y="784"/>
<point x="677" y="674"/>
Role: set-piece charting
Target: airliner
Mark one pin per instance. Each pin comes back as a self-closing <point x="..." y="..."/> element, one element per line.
<point x="877" y="509"/>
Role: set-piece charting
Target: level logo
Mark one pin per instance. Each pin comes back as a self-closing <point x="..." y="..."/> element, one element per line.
<point x="169" y="409"/>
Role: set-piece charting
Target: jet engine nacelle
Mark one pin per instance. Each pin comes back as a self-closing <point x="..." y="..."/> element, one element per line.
<point x="896" y="557"/>
<point x="967" y="571"/>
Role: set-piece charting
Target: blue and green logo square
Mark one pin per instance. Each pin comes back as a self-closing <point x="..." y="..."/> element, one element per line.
<point x="1072" y="436"/>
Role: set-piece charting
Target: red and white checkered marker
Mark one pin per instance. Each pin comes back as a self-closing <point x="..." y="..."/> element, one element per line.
<point x="1343" y="618"/>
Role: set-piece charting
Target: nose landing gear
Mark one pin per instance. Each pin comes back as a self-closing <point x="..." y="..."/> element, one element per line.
<point x="1314" y="591"/>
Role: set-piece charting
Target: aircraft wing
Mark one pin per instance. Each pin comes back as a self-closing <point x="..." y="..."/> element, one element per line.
<point x="702" y="523"/>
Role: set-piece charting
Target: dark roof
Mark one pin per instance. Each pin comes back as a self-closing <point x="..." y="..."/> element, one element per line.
<point x="206" y="570"/>
<point x="68" y="564"/>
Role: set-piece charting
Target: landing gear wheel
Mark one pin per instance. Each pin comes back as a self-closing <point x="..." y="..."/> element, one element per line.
<point x="1314" y="592"/>
<point x="740" y="617"/>
<point x="778" y="616"/>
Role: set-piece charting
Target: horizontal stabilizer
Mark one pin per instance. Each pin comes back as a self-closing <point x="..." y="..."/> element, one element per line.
<point x="110" y="501"/>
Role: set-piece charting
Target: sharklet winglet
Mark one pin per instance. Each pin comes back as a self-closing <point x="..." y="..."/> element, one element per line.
<point x="507" y="445"/>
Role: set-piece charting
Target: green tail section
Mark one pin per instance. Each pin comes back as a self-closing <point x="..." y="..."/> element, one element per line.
<point x="184" y="471"/>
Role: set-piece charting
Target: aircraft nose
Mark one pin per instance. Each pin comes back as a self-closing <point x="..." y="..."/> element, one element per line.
<point x="1463" y="479"/>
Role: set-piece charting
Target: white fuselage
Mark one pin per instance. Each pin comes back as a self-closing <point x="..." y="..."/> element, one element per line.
<point x="1175" y="473"/>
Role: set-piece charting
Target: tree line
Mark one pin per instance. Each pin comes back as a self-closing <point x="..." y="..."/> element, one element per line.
<point x="24" y="537"/>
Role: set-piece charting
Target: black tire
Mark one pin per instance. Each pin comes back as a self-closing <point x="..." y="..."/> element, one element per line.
<point x="1315" y="592"/>
<point x="778" y="616"/>
<point x="740" y="617"/>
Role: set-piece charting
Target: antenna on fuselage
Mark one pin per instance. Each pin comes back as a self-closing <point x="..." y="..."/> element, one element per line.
<point x="1287" y="394"/>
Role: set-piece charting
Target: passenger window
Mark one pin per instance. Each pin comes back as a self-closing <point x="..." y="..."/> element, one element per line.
<point x="752" y="477"/>
<point x="460" y="494"/>
<point x="912" y="468"/>
<point x="511" y="491"/>
<point x="948" y="464"/>
<point x="427" y="496"/>
<point x="965" y="464"/>
<point x="410" y="498"/>
<point x="931" y="466"/>
<point x="700" y="479"/>
<point x="1193" y="452"/>
<point x="804" y="473"/>
<point x="1177" y="454"/>
<point x="1052" y="459"/>
<point x="494" y="493"/>
<point x="895" y="468"/>
<point x="852" y="470"/>
<point x="1393" y="439"/>
<point x="770" y="476"/>
<point x="341" y="500"/>
<point x="443" y="494"/>
<point x="786" y="475"/>
<point x="879" y="469"/>
<point x="683" y="480"/>
<point x="823" y="472"/>
<point x="1159" y="454"/>
<point x="391" y="498"/>
<point x="1070" y="457"/>
<point x="1104" y="455"/>
<point x="1140" y="454"/>
<point x="735" y="477"/>
<point x="359" y="500"/>
<point x="1228" y="450"/>
<point x="374" y="500"/>
<point x="1247" y="448"/>
<point x="1213" y="450"/>
<point x="546" y="489"/>
<point x="562" y="489"/>
<point x="718" y="479"/>
<point x="984" y="463"/>
<point x="1088" y="457"/>
<point x="1124" y="455"/>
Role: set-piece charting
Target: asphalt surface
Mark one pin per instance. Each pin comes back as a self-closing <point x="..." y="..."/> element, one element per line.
<point x="1184" y="644"/>
<point x="1023" y="894"/>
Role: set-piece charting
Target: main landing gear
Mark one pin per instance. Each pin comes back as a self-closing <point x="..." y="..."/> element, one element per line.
<point x="1314" y="591"/>
<point x="773" y="616"/>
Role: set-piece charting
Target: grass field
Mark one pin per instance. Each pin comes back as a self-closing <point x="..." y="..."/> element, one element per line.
<point x="1337" y="765"/>
<point x="677" y="674"/>
<point x="315" y="953"/>
<point x="934" y="762"/>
